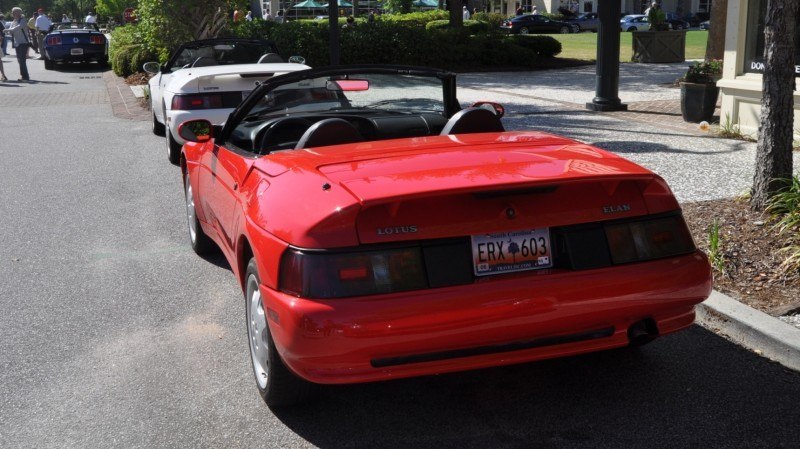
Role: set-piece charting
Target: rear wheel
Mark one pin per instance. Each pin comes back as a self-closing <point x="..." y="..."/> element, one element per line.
<point x="158" y="127"/>
<point x="201" y="243"/>
<point x="632" y="29"/>
<point x="577" y="28"/>
<point x="49" y="65"/>
<point x="173" y="148"/>
<point x="564" y="30"/>
<point x="276" y="384"/>
<point x="524" y="30"/>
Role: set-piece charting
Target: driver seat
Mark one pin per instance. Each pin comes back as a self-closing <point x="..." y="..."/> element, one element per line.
<point x="332" y="131"/>
<point x="473" y="120"/>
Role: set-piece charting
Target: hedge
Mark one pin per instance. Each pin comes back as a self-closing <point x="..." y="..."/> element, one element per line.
<point x="472" y="26"/>
<point x="379" y="42"/>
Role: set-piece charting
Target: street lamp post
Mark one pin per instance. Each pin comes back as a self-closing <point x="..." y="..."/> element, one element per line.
<point x="607" y="84"/>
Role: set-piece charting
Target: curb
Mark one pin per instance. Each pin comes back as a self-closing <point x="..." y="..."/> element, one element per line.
<point x="765" y="335"/>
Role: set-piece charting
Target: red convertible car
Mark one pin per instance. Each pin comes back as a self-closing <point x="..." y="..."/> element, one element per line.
<point x="380" y="231"/>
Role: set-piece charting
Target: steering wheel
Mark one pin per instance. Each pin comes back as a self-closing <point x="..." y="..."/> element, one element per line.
<point x="282" y="134"/>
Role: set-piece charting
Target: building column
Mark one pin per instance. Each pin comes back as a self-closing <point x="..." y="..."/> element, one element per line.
<point x="607" y="84"/>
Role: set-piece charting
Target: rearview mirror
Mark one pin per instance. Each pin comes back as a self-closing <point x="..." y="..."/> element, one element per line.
<point x="151" y="67"/>
<point x="497" y="108"/>
<point x="196" y="131"/>
<point x="347" y="85"/>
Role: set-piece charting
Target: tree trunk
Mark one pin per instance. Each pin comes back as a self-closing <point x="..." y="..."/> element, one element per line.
<point x="355" y="8"/>
<point x="456" y="13"/>
<point x="774" y="152"/>
<point x="715" y="47"/>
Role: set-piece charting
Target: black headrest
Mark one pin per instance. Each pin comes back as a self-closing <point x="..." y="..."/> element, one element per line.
<point x="332" y="131"/>
<point x="473" y="120"/>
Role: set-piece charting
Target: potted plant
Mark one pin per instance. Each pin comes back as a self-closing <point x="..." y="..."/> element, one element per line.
<point x="699" y="90"/>
<point x="658" y="44"/>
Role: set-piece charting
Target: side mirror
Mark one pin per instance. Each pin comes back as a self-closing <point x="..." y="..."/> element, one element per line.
<point x="297" y="59"/>
<point x="151" y="67"/>
<point x="196" y="131"/>
<point x="497" y="108"/>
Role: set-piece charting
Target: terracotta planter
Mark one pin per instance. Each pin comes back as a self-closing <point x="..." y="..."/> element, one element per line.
<point x="659" y="46"/>
<point x="698" y="101"/>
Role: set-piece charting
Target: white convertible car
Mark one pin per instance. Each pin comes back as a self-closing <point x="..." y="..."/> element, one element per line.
<point x="206" y="80"/>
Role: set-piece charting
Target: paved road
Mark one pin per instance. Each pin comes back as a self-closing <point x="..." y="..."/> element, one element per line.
<point x="114" y="334"/>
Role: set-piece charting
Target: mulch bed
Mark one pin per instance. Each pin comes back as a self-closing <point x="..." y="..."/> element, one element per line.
<point x="753" y="272"/>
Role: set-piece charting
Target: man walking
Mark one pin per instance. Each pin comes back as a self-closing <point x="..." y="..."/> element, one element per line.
<point x="43" y="25"/>
<point x="19" y="32"/>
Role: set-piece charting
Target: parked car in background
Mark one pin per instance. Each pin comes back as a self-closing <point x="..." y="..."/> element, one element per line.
<point x="676" y="22"/>
<point x="634" y="22"/>
<point x="537" y="23"/>
<point x="75" y="45"/>
<point x="221" y="51"/>
<point x="585" y="22"/>
<point x="380" y="231"/>
<point x="705" y="25"/>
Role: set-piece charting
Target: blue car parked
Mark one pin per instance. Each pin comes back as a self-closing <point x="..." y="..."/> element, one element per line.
<point x="75" y="45"/>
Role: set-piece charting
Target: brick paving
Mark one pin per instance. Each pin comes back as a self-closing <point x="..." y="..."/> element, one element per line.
<point x="123" y="103"/>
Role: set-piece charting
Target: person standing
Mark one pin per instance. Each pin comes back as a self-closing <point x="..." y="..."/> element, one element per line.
<point x="43" y="25"/>
<point x="19" y="32"/>
<point x="465" y="13"/>
<point x="32" y="31"/>
<point x="4" y="45"/>
<point x="267" y="15"/>
<point x="91" y="20"/>
<point x="249" y="16"/>
<point x="65" y="19"/>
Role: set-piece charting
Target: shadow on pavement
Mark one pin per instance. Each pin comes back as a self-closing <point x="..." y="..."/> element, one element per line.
<point x="692" y="389"/>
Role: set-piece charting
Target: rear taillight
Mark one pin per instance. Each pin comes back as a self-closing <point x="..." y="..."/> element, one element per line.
<point x="337" y="275"/>
<point x="642" y="240"/>
<point x="53" y="40"/>
<point x="201" y="101"/>
<point x="97" y="40"/>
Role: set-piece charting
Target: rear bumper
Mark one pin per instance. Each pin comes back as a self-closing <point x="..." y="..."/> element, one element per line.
<point x="499" y="321"/>
<point x="90" y="53"/>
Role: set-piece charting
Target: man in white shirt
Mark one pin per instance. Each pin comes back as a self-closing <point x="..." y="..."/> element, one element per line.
<point x="466" y="13"/>
<point x="43" y="25"/>
<point x="90" y="18"/>
<point x="267" y="15"/>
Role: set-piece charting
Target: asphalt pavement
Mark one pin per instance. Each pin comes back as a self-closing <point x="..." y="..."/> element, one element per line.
<point x="114" y="334"/>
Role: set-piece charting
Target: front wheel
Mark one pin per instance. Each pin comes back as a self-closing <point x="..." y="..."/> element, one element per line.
<point x="631" y="29"/>
<point x="564" y="30"/>
<point x="276" y="384"/>
<point x="524" y="30"/>
<point x="578" y="28"/>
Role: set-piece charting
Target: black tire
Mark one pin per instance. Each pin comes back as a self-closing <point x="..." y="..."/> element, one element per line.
<point x="564" y="30"/>
<point x="173" y="148"/>
<point x="201" y="243"/>
<point x="524" y="30"/>
<point x="578" y="28"/>
<point x="276" y="384"/>
<point x="632" y="29"/>
<point x="49" y="65"/>
<point x="103" y="63"/>
<point x="158" y="128"/>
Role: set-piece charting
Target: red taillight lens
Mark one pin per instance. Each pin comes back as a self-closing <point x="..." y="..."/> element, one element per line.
<point x="53" y="40"/>
<point x="191" y="102"/>
<point x="649" y="239"/>
<point x="317" y="275"/>
<point x="97" y="40"/>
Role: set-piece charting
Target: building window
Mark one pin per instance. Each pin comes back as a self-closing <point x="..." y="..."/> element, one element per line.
<point x="754" y="38"/>
<point x="704" y="6"/>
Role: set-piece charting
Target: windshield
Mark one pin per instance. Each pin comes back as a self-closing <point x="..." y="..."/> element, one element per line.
<point x="223" y="53"/>
<point x="372" y="92"/>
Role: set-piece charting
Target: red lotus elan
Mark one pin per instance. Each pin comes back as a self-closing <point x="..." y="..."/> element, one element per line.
<point x="380" y="231"/>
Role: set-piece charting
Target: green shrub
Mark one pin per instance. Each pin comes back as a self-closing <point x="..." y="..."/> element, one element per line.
<point x="253" y="29"/>
<point x="127" y="53"/>
<point x="543" y="46"/>
<point x="556" y="16"/>
<point x="420" y="18"/>
<point x="437" y="25"/>
<point x="492" y="18"/>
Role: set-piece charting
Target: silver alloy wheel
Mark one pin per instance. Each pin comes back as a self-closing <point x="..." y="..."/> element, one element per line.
<point x="257" y="332"/>
<point x="523" y="30"/>
<point x="190" y="211"/>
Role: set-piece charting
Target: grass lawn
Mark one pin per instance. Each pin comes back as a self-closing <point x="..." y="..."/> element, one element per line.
<point x="584" y="45"/>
